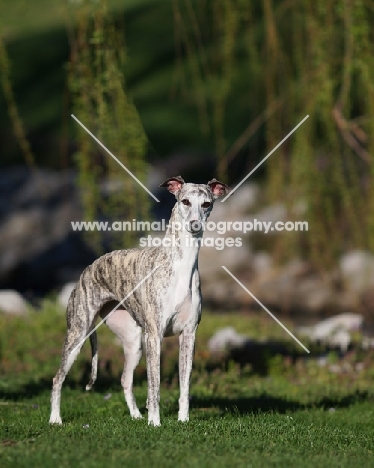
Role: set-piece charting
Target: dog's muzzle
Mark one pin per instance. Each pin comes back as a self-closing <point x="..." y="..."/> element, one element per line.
<point x="195" y="227"/>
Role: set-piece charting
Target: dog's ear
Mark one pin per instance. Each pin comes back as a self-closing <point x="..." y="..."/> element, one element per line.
<point x="174" y="184"/>
<point x="218" y="188"/>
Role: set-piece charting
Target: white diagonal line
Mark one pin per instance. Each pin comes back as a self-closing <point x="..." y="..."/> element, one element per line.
<point x="116" y="307"/>
<point x="116" y="159"/>
<point x="266" y="157"/>
<point x="266" y="310"/>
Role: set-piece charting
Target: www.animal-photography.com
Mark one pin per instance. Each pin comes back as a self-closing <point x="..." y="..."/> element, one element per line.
<point x="186" y="233"/>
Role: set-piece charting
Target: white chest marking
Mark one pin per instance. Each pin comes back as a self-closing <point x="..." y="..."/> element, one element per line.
<point x="178" y="311"/>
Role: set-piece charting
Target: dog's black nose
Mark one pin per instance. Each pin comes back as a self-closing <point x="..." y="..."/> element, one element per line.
<point x="195" y="225"/>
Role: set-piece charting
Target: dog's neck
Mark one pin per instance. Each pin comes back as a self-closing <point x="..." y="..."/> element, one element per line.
<point x="184" y="245"/>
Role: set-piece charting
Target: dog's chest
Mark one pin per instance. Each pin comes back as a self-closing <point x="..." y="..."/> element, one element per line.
<point x="179" y="311"/>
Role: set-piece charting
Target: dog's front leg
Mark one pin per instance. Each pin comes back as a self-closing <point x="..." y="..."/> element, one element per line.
<point x="186" y="353"/>
<point x="153" y="351"/>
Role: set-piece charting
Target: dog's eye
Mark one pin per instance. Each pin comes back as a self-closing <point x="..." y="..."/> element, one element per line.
<point x="206" y="204"/>
<point x="186" y="202"/>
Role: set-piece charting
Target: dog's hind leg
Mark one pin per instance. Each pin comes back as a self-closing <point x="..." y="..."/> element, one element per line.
<point x="93" y="341"/>
<point x="132" y="347"/>
<point x="130" y="335"/>
<point x="78" y="327"/>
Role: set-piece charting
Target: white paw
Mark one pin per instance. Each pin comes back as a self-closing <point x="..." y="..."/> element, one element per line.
<point x="137" y="415"/>
<point x="183" y="417"/>
<point x="154" y="422"/>
<point x="55" y="420"/>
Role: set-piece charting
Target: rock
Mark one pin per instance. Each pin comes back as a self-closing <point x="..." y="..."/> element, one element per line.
<point x="297" y="268"/>
<point x="334" y="331"/>
<point x="367" y="342"/>
<point x="211" y="261"/>
<point x="12" y="303"/>
<point x="295" y="287"/>
<point x="64" y="295"/>
<point x="272" y="213"/>
<point x="225" y="339"/>
<point x="357" y="270"/>
<point x="223" y="293"/>
<point x="314" y="295"/>
<point x="340" y="339"/>
<point x="348" y="321"/>
<point x="245" y="198"/>
<point x="262" y="263"/>
<point x="37" y="243"/>
<point x="237" y="205"/>
<point x="226" y="343"/>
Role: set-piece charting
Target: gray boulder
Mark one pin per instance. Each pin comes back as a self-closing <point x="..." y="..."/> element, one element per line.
<point x="38" y="247"/>
<point x="12" y="303"/>
<point x="357" y="270"/>
<point x="225" y="339"/>
<point x="64" y="294"/>
<point x="335" y="331"/>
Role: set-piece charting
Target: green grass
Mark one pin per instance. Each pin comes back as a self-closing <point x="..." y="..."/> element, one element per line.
<point x="298" y="414"/>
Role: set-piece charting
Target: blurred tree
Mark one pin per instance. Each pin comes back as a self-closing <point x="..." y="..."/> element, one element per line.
<point x="249" y="72"/>
<point x="99" y="98"/>
<point x="296" y="59"/>
<point x="16" y="121"/>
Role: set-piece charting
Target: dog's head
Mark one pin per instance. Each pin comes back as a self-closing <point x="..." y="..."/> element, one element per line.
<point x="195" y="201"/>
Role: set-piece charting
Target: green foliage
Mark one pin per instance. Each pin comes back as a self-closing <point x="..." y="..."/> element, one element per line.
<point x="99" y="99"/>
<point x="302" y="416"/>
<point x="235" y="77"/>
<point x="16" y="121"/>
<point x="97" y="433"/>
<point x="298" y="59"/>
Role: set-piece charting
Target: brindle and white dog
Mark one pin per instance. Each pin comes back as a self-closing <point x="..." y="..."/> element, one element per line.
<point x="168" y="303"/>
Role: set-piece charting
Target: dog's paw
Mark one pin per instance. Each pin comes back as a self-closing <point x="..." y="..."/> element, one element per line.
<point x="183" y="418"/>
<point x="137" y="415"/>
<point x="55" y="420"/>
<point x="154" y="422"/>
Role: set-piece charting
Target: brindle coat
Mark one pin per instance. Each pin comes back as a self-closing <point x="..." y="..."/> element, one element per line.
<point x="167" y="303"/>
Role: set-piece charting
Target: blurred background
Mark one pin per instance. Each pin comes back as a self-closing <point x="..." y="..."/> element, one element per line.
<point x="204" y="89"/>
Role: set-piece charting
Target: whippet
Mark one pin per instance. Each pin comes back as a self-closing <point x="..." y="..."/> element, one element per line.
<point x="168" y="303"/>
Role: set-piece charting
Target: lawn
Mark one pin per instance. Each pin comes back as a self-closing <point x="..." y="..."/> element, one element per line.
<point x="298" y="413"/>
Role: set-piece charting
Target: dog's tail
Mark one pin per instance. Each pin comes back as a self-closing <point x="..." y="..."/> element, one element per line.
<point x="93" y="341"/>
